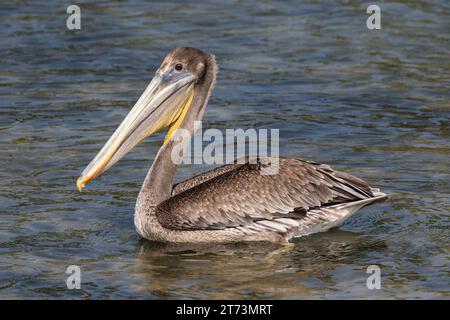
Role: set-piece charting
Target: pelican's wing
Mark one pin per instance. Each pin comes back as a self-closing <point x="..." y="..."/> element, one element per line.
<point x="240" y="196"/>
<point x="202" y="177"/>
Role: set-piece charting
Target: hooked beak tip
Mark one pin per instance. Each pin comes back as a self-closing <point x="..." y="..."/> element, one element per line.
<point x="80" y="184"/>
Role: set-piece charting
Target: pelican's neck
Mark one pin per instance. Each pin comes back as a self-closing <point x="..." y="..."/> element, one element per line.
<point x="157" y="185"/>
<point x="156" y="188"/>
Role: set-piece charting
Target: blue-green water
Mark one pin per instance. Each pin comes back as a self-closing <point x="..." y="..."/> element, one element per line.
<point x="372" y="103"/>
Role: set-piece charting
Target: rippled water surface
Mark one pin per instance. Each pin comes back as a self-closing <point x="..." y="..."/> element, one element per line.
<point x="373" y="103"/>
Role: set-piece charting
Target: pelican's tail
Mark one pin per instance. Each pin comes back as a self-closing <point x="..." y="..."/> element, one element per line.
<point x="327" y="217"/>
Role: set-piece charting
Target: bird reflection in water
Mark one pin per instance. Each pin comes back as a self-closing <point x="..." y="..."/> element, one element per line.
<point x="248" y="270"/>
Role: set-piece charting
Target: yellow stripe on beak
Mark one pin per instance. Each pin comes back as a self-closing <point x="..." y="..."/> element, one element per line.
<point x="179" y="119"/>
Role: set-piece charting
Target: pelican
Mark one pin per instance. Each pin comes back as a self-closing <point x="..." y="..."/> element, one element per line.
<point x="232" y="203"/>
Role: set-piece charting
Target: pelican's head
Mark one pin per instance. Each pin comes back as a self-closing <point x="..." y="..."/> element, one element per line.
<point x="164" y="104"/>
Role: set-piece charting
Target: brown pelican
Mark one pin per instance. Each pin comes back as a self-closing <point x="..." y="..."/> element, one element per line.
<point x="232" y="203"/>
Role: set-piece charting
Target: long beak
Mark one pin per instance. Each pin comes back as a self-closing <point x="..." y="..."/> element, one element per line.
<point x="164" y="103"/>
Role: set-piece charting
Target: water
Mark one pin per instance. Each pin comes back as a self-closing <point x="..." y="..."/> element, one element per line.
<point x="373" y="103"/>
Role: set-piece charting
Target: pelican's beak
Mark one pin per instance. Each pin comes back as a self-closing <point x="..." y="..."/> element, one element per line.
<point x="163" y="104"/>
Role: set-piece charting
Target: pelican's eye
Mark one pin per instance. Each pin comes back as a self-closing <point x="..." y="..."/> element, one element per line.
<point x="178" y="67"/>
